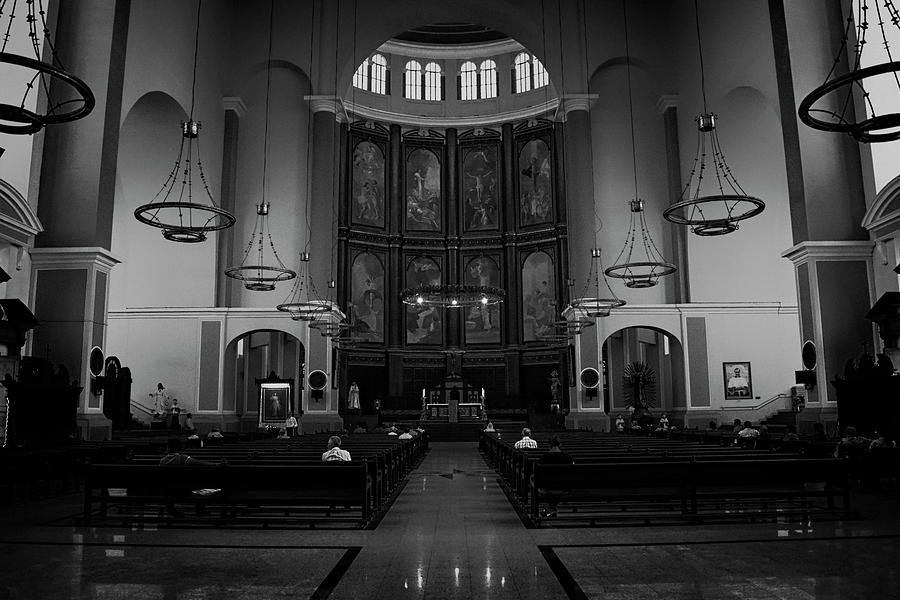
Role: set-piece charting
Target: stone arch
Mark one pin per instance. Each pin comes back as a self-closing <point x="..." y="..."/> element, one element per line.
<point x="287" y="361"/>
<point x="671" y="385"/>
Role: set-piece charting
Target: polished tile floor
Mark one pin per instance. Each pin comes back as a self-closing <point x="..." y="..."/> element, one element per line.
<point x="451" y="534"/>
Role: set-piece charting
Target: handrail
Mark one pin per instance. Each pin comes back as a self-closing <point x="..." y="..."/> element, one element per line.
<point x="780" y="396"/>
<point x="142" y="408"/>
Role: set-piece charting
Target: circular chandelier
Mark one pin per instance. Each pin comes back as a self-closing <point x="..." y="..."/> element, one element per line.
<point x="49" y="76"/>
<point x="716" y="213"/>
<point x="260" y="277"/>
<point x="173" y="208"/>
<point x="452" y="295"/>
<point x="639" y="273"/>
<point x="303" y="303"/>
<point x="830" y="107"/>
<point x="599" y="305"/>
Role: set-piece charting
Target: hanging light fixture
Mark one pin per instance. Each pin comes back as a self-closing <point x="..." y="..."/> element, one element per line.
<point x="48" y="76"/>
<point x="719" y="212"/>
<point x="605" y="299"/>
<point x="452" y="295"/>
<point x="303" y="303"/>
<point x="830" y="107"/>
<point x="173" y="208"/>
<point x="640" y="263"/>
<point x="260" y="276"/>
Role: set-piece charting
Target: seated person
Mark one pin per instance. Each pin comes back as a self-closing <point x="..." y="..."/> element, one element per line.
<point x="748" y="431"/>
<point x="406" y="435"/>
<point x="189" y="423"/>
<point x="713" y="426"/>
<point x="737" y="426"/>
<point x="360" y="428"/>
<point x="881" y="441"/>
<point x="215" y="433"/>
<point x="663" y="422"/>
<point x="335" y="452"/>
<point x="282" y="434"/>
<point x="526" y="441"/>
<point x="490" y="427"/>
<point x="818" y="433"/>
<point x="852" y="444"/>
<point x="393" y="430"/>
<point x="620" y="423"/>
<point x="554" y="456"/>
<point x="791" y="434"/>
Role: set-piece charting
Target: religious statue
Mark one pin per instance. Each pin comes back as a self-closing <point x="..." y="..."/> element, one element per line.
<point x="353" y="398"/>
<point x="555" y="391"/>
<point x="161" y="400"/>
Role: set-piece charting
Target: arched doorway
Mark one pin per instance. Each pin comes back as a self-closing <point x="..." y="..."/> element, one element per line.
<point x="660" y="353"/>
<point x="254" y="355"/>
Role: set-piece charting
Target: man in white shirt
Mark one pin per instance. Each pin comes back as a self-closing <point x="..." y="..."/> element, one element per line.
<point x="290" y="424"/>
<point x="334" y="451"/>
<point x="526" y="441"/>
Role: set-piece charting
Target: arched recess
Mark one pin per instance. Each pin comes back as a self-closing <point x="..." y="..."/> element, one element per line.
<point x="154" y="272"/>
<point x="660" y="349"/>
<point x="18" y="226"/>
<point x="882" y="221"/>
<point x="255" y="354"/>
<point x="286" y="163"/>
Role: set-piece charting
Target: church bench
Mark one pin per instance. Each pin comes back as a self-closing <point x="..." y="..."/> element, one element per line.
<point x="700" y="488"/>
<point x="317" y="485"/>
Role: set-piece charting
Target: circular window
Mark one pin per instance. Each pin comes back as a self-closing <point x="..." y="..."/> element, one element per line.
<point x="95" y="361"/>
<point x="808" y="355"/>
<point x="590" y="377"/>
<point x="318" y="380"/>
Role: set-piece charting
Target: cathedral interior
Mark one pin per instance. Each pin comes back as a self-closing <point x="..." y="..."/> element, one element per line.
<point x="422" y="213"/>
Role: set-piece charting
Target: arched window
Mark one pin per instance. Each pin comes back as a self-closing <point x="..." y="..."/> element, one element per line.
<point x="413" y="81"/>
<point x="539" y="74"/>
<point x="468" y="81"/>
<point x="361" y="77"/>
<point x="522" y="73"/>
<point x="433" y="87"/>
<point x="378" y="75"/>
<point x="488" y="79"/>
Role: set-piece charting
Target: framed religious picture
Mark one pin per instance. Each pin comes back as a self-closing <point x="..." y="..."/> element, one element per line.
<point x="738" y="384"/>
<point x="274" y="403"/>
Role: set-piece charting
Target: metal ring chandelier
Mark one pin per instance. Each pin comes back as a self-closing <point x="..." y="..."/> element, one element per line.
<point x="628" y="266"/>
<point x="452" y="295"/>
<point x="718" y="212"/>
<point x="48" y="76"/>
<point x="830" y="107"/>
<point x="303" y="304"/>
<point x="599" y="305"/>
<point x="175" y="212"/>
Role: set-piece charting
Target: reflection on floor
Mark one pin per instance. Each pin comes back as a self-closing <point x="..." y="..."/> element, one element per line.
<point x="451" y="534"/>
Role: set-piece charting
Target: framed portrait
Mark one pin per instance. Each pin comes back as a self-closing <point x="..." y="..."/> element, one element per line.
<point x="274" y="403"/>
<point x="737" y="379"/>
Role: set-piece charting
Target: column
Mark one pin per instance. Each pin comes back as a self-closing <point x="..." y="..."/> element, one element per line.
<point x="675" y="236"/>
<point x="234" y="109"/>
<point x="71" y="264"/>
<point x="832" y="253"/>
<point x="451" y="269"/>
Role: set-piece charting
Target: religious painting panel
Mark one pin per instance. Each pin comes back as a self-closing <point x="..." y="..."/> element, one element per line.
<point x="482" y="323"/>
<point x="424" y="324"/>
<point x="535" y="184"/>
<point x="538" y="296"/>
<point x="480" y="187"/>
<point x="423" y="191"/>
<point x="274" y="403"/>
<point x="367" y="304"/>
<point x="368" y="193"/>
<point x="738" y="384"/>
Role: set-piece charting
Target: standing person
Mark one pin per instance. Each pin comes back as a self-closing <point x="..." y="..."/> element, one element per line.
<point x="335" y="452"/>
<point x="189" y="423"/>
<point x="526" y="441"/>
<point x="554" y="456"/>
<point x="290" y="424"/>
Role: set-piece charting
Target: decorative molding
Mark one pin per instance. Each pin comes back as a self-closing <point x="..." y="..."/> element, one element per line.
<point x="492" y="120"/>
<point x="667" y="101"/>
<point x="450" y="51"/>
<point x="235" y="104"/>
<point x="877" y="221"/>
<point x="328" y="103"/>
<point x="572" y="102"/>
<point x="72" y="258"/>
<point x="23" y="224"/>
<point x="805" y="252"/>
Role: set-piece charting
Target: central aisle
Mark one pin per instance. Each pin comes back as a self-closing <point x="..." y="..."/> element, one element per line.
<point x="451" y="534"/>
